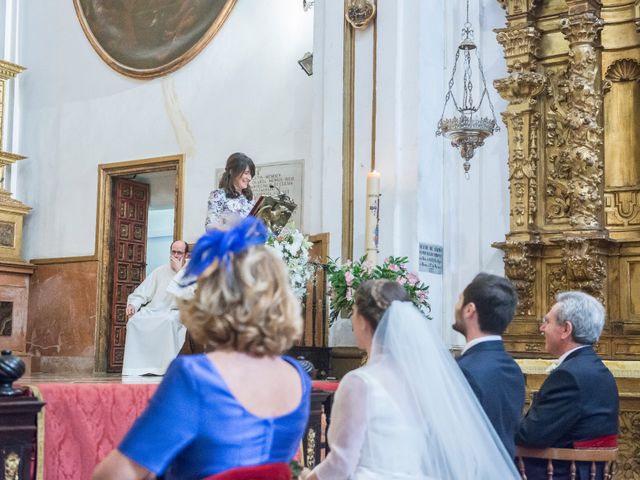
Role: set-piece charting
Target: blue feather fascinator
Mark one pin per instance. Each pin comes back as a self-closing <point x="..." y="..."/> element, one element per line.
<point x="220" y="245"/>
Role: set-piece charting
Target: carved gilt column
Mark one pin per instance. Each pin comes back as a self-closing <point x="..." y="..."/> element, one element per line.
<point x="574" y="176"/>
<point x="521" y="41"/>
<point x="574" y="163"/>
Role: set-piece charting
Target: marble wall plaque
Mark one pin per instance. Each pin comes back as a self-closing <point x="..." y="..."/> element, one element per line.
<point x="7" y="234"/>
<point x="430" y="258"/>
<point x="6" y="318"/>
<point x="287" y="176"/>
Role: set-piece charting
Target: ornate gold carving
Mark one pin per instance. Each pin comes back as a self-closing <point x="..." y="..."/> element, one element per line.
<point x="558" y="166"/>
<point x="522" y="41"/>
<point x="574" y="135"/>
<point x="623" y="70"/>
<point x="520" y="269"/>
<point x="360" y="13"/>
<point x="556" y="282"/>
<point x="9" y="70"/>
<point x="520" y="86"/>
<point x="622" y="208"/>
<point x="12" y="466"/>
<point x="534" y="159"/>
<point x="533" y="347"/>
<point x="514" y="7"/>
<point x="311" y="448"/>
<point x="582" y="28"/>
<point x="629" y="444"/>
<point x="585" y="268"/>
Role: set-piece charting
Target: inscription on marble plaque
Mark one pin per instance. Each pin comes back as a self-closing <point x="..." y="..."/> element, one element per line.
<point x="6" y="318"/>
<point x="430" y="258"/>
<point x="287" y="176"/>
<point x="7" y="234"/>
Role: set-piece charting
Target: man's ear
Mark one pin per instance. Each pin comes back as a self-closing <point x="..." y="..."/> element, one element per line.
<point x="469" y="310"/>
<point x="567" y="330"/>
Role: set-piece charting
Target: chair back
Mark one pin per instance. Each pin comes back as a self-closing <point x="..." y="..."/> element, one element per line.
<point x="607" y="456"/>
<point x="269" y="471"/>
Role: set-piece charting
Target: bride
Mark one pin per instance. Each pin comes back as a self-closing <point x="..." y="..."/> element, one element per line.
<point x="409" y="413"/>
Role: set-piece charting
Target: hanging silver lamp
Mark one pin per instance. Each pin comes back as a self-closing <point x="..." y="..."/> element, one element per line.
<point x="467" y="128"/>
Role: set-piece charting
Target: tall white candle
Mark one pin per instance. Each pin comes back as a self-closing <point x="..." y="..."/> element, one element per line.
<point x="372" y="219"/>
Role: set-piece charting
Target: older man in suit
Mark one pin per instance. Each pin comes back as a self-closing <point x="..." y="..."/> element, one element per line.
<point x="577" y="406"/>
<point x="483" y="312"/>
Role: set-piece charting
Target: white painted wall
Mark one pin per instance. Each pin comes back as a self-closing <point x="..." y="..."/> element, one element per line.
<point x="425" y="197"/>
<point x="159" y="238"/>
<point x="244" y="92"/>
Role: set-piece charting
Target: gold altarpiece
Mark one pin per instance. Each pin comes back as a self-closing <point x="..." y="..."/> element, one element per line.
<point x="573" y="120"/>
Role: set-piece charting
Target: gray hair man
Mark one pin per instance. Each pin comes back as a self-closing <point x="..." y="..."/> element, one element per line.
<point x="577" y="406"/>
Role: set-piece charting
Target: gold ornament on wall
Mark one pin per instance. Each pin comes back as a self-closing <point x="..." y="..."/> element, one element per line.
<point x="573" y="119"/>
<point x="360" y="13"/>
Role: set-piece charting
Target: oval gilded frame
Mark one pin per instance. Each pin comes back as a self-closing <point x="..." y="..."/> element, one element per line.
<point x="109" y="25"/>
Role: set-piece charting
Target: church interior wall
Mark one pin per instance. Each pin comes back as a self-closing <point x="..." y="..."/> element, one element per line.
<point x="244" y="92"/>
<point x="425" y="196"/>
<point x="61" y="333"/>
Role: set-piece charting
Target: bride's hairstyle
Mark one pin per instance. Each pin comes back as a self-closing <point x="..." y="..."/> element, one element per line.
<point x="373" y="297"/>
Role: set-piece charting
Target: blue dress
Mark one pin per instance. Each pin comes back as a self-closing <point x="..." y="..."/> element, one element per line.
<point x="194" y="426"/>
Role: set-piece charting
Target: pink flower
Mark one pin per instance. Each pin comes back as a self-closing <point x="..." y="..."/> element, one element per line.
<point x="402" y="280"/>
<point x="422" y="295"/>
<point x="367" y="265"/>
<point x="348" y="277"/>
<point x="349" y="294"/>
<point x="413" y="278"/>
<point x="394" y="268"/>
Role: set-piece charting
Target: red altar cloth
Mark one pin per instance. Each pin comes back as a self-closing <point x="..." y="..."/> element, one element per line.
<point x="84" y="422"/>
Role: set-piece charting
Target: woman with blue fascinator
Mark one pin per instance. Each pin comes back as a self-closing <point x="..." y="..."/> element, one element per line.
<point x="243" y="403"/>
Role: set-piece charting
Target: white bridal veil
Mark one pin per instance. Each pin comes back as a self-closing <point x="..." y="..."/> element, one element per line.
<point x="459" y="441"/>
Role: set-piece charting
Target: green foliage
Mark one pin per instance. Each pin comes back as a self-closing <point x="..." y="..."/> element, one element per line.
<point x="344" y="279"/>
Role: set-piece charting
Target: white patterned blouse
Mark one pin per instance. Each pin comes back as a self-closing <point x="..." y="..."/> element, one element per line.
<point x="223" y="210"/>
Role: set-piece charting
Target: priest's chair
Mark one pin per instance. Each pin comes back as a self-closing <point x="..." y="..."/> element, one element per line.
<point x="601" y="462"/>
<point x="269" y="471"/>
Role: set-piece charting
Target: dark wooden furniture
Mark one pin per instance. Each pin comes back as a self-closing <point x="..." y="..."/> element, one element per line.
<point x="18" y="430"/>
<point x="607" y="456"/>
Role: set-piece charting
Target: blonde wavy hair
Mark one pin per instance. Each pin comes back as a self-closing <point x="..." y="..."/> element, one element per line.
<point x="248" y="308"/>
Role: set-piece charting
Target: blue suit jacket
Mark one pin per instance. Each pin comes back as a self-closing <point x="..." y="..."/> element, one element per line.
<point x="499" y="385"/>
<point x="578" y="401"/>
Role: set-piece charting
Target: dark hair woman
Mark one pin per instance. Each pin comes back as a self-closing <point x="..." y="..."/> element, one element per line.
<point x="233" y="199"/>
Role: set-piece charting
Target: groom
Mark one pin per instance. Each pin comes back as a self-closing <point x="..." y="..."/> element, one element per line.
<point x="484" y="310"/>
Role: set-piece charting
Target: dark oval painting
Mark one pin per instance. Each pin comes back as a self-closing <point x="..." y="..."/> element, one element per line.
<point x="150" y="38"/>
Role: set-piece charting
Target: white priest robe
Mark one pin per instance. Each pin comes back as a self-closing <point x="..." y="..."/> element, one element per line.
<point x="154" y="334"/>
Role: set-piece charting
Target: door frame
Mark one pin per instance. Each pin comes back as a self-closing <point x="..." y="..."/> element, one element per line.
<point x="104" y="251"/>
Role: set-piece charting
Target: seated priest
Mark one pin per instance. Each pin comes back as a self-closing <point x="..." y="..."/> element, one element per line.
<point x="577" y="405"/>
<point x="154" y="332"/>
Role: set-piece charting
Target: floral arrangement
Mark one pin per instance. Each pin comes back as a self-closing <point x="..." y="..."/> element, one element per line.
<point x="293" y="248"/>
<point x="345" y="278"/>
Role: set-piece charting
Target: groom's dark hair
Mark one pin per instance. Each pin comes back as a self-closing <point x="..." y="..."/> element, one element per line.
<point x="495" y="300"/>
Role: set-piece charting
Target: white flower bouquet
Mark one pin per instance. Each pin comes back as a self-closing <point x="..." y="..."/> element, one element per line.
<point x="293" y="248"/>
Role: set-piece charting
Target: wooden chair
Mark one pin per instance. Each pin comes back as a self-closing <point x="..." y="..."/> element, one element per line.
<point x="607" y="456"/>
<point x="269" y="471"/>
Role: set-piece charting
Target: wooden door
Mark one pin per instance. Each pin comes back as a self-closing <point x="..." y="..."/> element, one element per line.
<point x="129" y="242"/>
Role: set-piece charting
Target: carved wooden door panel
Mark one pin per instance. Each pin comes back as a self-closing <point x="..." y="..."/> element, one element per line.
<point x="129" y="237"/>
